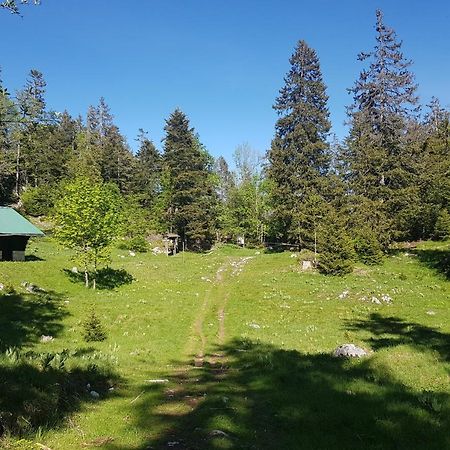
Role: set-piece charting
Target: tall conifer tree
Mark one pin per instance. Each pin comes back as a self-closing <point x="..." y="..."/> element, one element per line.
<point x="298" y="160"/>
<point x="190" y="187"/>
<point x="380" y="166"/>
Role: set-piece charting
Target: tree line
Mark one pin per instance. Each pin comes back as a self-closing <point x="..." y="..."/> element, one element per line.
<point x="387" y="181"/>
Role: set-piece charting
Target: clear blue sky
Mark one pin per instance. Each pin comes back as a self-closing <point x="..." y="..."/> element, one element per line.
<point x="220" y="61"/>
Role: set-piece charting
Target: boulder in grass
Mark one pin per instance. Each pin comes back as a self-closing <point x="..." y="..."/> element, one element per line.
<point x="349" y="351"/>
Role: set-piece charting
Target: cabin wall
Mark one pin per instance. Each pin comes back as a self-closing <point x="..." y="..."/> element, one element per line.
<point x="12" y="248"/>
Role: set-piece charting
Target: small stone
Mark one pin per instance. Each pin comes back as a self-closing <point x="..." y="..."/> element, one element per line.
<point x="349" y="351"/>
<point x="344" y="294"/>
<point x="254" y="325"/>
<point x="2" y="286"/>
<point x="46" y="338"/>
<point x="218" y="433"/>
<point x="74" y="270"/>
<point x="375" y="300"/>
<point x="431" y="313"/>
<point x="294" y="255"/>
<point x="307" y="265"/>
<point x="94" y="394"/>
<point x="132" y="253"/>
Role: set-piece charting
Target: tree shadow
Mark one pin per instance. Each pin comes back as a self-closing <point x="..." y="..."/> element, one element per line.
<point x="33" y="258"/>
<point x="257" y="396"/>
<point x="438" y="260"/>
<point x="41" y="389"/>
<point x="24" y="318"/>
<point x="393" y="331"/>
<point x="37" y="390"/>
<point x="106" y="278"/>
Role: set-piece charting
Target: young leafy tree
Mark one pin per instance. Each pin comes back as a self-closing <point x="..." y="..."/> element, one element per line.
<point x="298" y="160"/>
<point x="87" y="219"/>
<point x="189" y="182"/>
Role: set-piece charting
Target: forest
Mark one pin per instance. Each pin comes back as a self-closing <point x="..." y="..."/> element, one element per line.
<point x="387" y="181"/>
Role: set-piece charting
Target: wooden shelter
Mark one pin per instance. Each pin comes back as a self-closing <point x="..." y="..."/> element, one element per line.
<point x="171" y="243"/>
<point x="15" y="231"/>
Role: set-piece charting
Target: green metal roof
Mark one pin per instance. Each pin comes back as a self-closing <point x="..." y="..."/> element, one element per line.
<point x="12" y="223"/>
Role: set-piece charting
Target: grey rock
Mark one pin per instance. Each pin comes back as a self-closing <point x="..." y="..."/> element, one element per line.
<point x="94" y="394"/>
<point x="349" y="351"/>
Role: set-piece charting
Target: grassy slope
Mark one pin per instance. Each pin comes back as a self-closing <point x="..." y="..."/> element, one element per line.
<point x="261" y="333"/>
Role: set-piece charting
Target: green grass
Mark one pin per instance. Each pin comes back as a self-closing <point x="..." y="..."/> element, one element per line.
<point x="245" y="345"/>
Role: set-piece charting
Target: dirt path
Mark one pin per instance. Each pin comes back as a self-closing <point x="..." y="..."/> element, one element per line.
<point x="186" y="391"/>
<point x="214" y="303"/>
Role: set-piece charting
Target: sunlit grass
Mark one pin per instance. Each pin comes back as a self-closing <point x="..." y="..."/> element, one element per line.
<point x="266" y="331"/>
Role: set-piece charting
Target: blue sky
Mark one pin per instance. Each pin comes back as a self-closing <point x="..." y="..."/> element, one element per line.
<point x="220" y="61"/>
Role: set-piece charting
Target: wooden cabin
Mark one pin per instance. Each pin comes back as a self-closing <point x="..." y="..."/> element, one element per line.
<point x="171" y="243"/>
<point x="15" y="231"/>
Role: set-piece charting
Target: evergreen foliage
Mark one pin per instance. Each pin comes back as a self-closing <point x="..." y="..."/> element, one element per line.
<point x="39" y="201"/>
<point x="93" y="330"/>
<point x="336" y="249"/>
<point x="442" y="227"/>
<point x="388" y="181"/>
<point x="380" y="165"/>
<point x="299" y="159"/>
<point x="367" y="247"/>
<point x="191" y="195"/>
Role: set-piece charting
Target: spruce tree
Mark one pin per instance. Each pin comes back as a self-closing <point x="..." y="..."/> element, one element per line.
<point x="191" y="198"/>
<point x="298" y="160"/>
<point x="147" y="171"/>
<point x="380" y="166"/>
<point x="8" y="119"/>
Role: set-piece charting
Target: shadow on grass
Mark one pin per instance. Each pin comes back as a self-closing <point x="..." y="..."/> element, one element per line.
<point x="393" y="331"/>
<point x="37" y="390"/>
<point x="41" y="389"/>
<point x="32" y="258"/>
<point x="24" y="318"/>
<point x="107" y="278"/>
<point x="257" y="396"/>
<point x="438" y="260"/>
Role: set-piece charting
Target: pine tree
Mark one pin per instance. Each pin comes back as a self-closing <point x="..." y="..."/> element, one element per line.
<point x="147" y="171"/>
<point x="298" y="160"/>
<point x="336" y="248"/>
<point x="108" y="147"/>
<point x="380" y="165"/>
<point x="8" y="119"/>
<point x="224" y="178"/>
<point x="191" y="199"/>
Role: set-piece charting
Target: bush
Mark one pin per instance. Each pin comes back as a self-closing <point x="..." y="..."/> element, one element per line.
<point x="39" y="201"/>
<point x="336" y="251"/>
<point x="136" y="244"/>
<point x="93" y="329"/>
<point x="442" y="227"/>
<point x="367" y="247"/>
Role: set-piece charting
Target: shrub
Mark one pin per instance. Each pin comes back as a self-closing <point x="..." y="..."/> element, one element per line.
<point x="136" y="244"/>
<point x="367" y="247"/>
<point x="442" y="227"/>
<point x="336" y="250"/>
<point x="39" y="201"/>
<point x="93" y="329"/>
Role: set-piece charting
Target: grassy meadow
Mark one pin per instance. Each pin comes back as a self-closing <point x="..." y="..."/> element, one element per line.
<point x="229" y="349"/>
